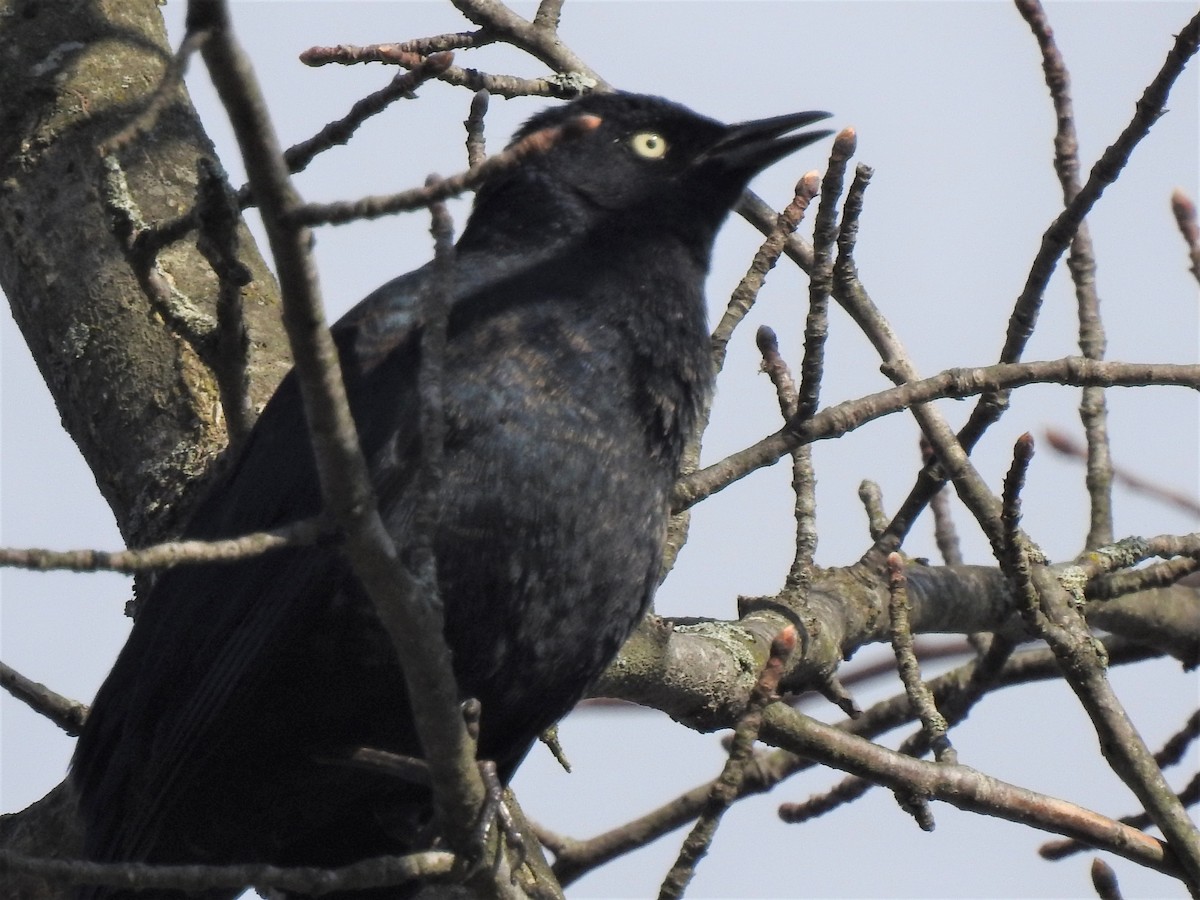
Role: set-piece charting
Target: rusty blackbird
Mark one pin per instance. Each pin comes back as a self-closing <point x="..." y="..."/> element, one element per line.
<point x="577" y="360"/>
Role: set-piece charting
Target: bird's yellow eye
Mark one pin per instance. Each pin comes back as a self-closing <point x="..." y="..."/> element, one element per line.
<point x="649" y="145"/>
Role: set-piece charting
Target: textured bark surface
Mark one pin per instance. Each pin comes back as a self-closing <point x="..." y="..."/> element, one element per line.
<point x="134" y="387"/>
<point x="132" y="382"/>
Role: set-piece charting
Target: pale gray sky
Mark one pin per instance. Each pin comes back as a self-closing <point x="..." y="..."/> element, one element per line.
<point x="952" y="113"/>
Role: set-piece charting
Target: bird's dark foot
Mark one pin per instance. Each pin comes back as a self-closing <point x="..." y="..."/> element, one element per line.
<point x="496" y="811"/>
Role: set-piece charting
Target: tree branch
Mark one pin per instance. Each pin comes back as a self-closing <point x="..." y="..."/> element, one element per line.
<point x="412" y="622"/>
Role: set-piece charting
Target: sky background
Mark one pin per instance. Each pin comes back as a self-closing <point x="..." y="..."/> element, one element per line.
<point x="951" y="110"/>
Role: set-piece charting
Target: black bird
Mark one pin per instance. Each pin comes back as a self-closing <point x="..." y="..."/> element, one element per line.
<point x="577" y="359"/>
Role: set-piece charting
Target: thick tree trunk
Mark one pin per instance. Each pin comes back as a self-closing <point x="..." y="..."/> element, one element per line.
<point x="131" y="376"/>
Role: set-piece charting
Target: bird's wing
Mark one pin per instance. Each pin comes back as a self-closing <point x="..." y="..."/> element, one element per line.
<point x="206" y="633"/>
<point x="203" y="630"/>
<point x="200" y="632"/>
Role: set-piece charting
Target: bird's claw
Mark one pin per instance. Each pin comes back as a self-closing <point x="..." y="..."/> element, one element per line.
<point x="495" y="810"/>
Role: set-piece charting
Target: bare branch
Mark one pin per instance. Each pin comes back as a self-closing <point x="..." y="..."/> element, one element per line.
<point x="1172" y="751"/>
<point x="402" y="54"/>
<point x="414" y="626"/>
<point x="1063" y="443"/>
<point x="1063" y="229"/>
<point x="1054" y="609"/>
<point x="476" y="147"/>
<point x="408" y="54"/>
<point x="170" y="554"/>
<point x="845" y="417"/>
<point x="574" y="858"/>
<point x="816" y="328"/>
<point x="962" y="787"/>
<point x="812" y="365"/>
<point x="920" y="697"/>
<point x="744" y="295"/>
<point x="956" y="693"/>
<point x="405" y="201"/>
<point x="945" y="534"/>
<point x="537" y="38"/>
<point x="423" y="68"/>
<point x="383" y="871"/>
<point x="871" y="496"/>
<point x="1189" y="796"/>
<point x="776" y="368"/>
<point x="67" y="714"/>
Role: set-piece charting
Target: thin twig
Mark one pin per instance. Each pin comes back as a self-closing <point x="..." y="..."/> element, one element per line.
<point x="534" y="37"/>
<point x="423" y="68"/>
<point x="776" y="368"/>
<point x="958" y="691"/>
<point x="1055" y="240"/>
<point x="1017" y="555"/>
<point x="932" y="721"/>
<point x="833" y="421"/>
<point x="1162" y="574"/>
<point x="1062" y="230"/>
<point x="1056" y="850"/>
<point x="218" y="219"/>
<point x="1052" y="607"/>
<point x="816" y="327"/>
<point x="378" y="872"/>
<point x="172" y="553"/>
<point x="945" y="534"/>
<point x="933" y="724"/>
<point x="961" y="786"/>
<point x="1133" y="550"/>
<point x="812" y="365"/>
<point x="747" y="290"/>
<point x="443" y="189"/>
<point x="871" y="496"/>
<point x="1172" y="751"/>
<point x="476" y="145"/>
<point x="1062" y="442"/>
<point x="299" y="155"/>
<point x="740" y="301"/>
<point x="394" y="53"/>
<point x="64" y="712"/>
<point x="406" y="54"/>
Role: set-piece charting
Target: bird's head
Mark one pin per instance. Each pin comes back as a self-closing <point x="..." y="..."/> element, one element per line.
<point x="647" y="162"/>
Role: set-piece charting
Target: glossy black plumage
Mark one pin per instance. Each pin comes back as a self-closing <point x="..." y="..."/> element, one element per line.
<point x="577" y="360"/>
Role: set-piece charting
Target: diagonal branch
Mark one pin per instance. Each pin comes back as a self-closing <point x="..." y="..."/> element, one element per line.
<point x="961" y="787"/>
<point x="169" y="554"/>
<point x="834" y="421"/>
<point x="414" y="625"/>
<point x="67" y="714"/>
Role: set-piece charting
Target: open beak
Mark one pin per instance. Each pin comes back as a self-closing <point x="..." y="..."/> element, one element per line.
<point x="752" y="146"/>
